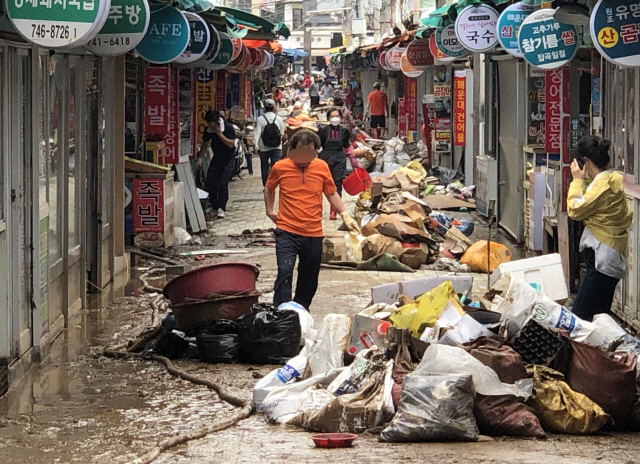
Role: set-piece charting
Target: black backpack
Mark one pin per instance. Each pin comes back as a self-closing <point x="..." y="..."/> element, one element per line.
<point x="271" y="136"/>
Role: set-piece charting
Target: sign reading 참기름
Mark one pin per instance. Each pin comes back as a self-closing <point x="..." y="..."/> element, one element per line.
<point x="545" y="42"/>
<point x="58" y="23"/>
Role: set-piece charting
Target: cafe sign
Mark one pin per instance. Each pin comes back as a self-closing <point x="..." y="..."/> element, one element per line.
<point x="58" y="23"/>
<point x="125" y="28"/>
<point x="167" y="37"/>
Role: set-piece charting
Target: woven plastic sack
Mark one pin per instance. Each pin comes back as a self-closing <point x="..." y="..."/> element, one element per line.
<point x="476" y="256"/>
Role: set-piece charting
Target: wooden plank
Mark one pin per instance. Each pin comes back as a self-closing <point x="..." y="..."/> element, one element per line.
<point x="134" y="165"/>
<point x="191" y="200"/>
<point x="444" y="202"/>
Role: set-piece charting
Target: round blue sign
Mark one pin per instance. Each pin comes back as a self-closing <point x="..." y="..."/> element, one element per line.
<point x="545" y="42"/>
<point x="167" y="36"/>
<point x="509" y="24"/>
<point x="615" y="28"/>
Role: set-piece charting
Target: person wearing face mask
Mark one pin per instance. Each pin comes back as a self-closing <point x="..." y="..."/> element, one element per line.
<point x="347" y="121"/>
<point x="603" y="208"/>
<point x="302" y="180"/>
<point x="335" y="149"/>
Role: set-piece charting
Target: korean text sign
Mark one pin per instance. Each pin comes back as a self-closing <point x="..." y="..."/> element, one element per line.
<point x="615" y="30"/>
<point x="553" y="111"/>
<point x="156" y="101"/>
<point x="204" y="98"/>
<point x="460" y="108"/>
<point x="509" y="24"/>
<point x="476" y="28"/>
<point x="545" y="42"/>
<point x="148" y="205"/>
<point x="172" y="136"/>
<point x="125" y="27"/>
<point x="411" y="106"/>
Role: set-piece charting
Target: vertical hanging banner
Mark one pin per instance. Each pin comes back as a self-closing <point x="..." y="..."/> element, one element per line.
<point x="402" y="117"/>
<point x="221" y="89"/>
<point x="460" y="108"/>
<point x="233" y="96"/>
<point x="411" y="107"/>
<point x="148" y="205"/>
<point x="553" y="111"/>
<point x="172" y="136"/>
<point x="204" y="100"/>
<point x="248" y="91"/>
<point x="156" y="101"/>
<point x="536" y="97"/>
<point x="442" y="91"/>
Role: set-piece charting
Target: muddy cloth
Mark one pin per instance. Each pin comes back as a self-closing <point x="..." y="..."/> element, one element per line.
<point x="268" y="337"/>
<point x="501" y="358"/>
<point x="506" y="415"/>
<point x="608" y="379"/>
<point x="434" y="408"/>
<point x="403" y="365"/>
<point x="561" y="409"/>
<point x="218" y="341"/>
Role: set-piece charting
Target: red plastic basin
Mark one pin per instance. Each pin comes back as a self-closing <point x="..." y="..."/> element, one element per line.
<point x="333" y="440"/>
<point x="207" y="281"/>
<point x="357" y="182"/>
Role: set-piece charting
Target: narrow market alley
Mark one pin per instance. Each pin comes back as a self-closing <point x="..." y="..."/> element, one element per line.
<point x="82" y="407"/>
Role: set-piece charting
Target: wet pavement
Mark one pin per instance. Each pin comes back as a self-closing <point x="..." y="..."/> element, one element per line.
<point x="79" y="406"/>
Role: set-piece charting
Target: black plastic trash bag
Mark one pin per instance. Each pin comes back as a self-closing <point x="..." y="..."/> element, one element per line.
<point x="266" y="336"/>
<point x="169" y="343"/>
<point x="446" y="175"/>
<point x="218" y="341"/>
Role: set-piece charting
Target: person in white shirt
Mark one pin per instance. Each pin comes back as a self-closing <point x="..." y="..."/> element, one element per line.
<point x="267" y="136"/>
<point x="326" y="91"/>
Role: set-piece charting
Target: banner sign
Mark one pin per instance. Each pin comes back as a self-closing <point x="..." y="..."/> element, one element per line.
<point x="221" y="89"/>
<point x="125" y="28"/>
<point x="460" y="108"/>
<point x="536" y="97"/>
<point x="172" y="136"/>
<point x="476" y="28"/>
<point x="411" y="107"/>
<point x="233" y="95"/>
<point x="509" y="24"/>
<point x="443" y="130"/>
<point x="615" y="28"/>
<point x="156" y="101"/>
<point x="402" y="118"/>
<point x="248" y="93"/>
<point x="545" y="42"/>
<point x="148" y="205"/>
<point x="167" y="37"/>
<point x="204" y="99"/>
<point x="553" y="111"/>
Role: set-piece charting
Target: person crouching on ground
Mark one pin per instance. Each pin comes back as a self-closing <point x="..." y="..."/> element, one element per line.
<point x="605" y="211"/>
<point x="336" y="147"/>
<point x="220" y="135"/>
<point x="302" y="179"/>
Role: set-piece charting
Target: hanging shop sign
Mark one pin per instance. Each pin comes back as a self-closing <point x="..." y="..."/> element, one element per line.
<point x="265" y="60"/>
<point x="615" y="28"/>
<point x="394" y="58"/>
<point x="214" y="44"/>
<point x="167" y="37"/>
<point x="402" y="117"/>
<point x="411" y="107"/>
<point x="223" y="58"/>
<point x="248" y="95"/>
<point x="384" y="61"/>
<point x="199" y="39"/>
<point x="442" y="124"/>
<point x="536" y="97"/>
<point x="256" y="59"/>
<point x="419" y="55"/>
<point x="238" y="46"/>
<point x="156" y="101"/>
<point x="460" y="108"/>
<point x="204" y="98"/>
<point x="545" y="42"/>
<point x="58" y="23"/>
<point x="408" y="69"/>
<point x="171" y="138"/>
<point x="124" y="29"/>
<point x="553" y="110"/>
<point x="221" y="88"/>
<point x="509" y="24"/>
<point x="233" y="93"/>
<point x="476" y="28"/>
<point x="148" y="205"/>
<point x="448" y="43"/>
<point x="438" y="56"/>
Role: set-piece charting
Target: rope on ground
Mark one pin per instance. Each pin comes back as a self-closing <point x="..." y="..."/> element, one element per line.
<point x="169" y="442"/>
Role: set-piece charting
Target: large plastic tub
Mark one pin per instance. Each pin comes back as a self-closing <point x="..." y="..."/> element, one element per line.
<point x="544" y="270"/>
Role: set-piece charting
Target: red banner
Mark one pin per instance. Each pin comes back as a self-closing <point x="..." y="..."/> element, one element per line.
<point x="204" y="85"/>
<point x="553" y="107"/>
<point x="221" y="90"/>
<point x="402" y="118"/>
<point x="248" y="93"/>
<point x="460" y="108"/>
<point x="172" y="136"/>
<point x="148" y="205"/>
<point x="411" y="106"/>
<point x="156" y="101"/>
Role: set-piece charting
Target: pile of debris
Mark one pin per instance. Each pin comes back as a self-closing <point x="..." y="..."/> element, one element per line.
<point x="426" y="363"/>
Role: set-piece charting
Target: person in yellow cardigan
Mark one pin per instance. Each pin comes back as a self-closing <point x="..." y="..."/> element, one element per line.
<point x="607" y="215"/>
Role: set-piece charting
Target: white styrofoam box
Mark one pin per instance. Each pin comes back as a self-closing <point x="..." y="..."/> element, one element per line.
<point x="544" y="270"/>
<point x="389" y="293"/>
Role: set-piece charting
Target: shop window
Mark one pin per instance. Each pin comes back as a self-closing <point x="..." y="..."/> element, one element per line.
<point x="56" y="77"/>
<point x="74" y="181"/>
<point x="297" y="19"/>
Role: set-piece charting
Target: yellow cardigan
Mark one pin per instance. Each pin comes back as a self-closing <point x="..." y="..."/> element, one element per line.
<point x="603" y="208"/>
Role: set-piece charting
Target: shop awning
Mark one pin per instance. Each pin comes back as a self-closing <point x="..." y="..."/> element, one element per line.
<point x="431" y="22"/>
<point x="244" y="18"/>
<point x="294" y="53"/>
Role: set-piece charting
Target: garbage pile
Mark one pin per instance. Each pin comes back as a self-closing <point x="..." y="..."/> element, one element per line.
<point x="434" y="365"/>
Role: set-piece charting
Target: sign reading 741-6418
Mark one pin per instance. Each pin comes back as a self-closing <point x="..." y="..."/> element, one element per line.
<point x="58" y="23"/>
<point x="125" y="27"/>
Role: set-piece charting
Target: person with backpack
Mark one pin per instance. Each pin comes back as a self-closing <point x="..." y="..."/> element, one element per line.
<point x="267" y="136"/>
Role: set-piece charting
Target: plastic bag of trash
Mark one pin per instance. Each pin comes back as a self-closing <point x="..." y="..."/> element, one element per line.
<point x="557" y="318"/>
<point x="182" y="237"/>
<point x="370" y="406"/>
<point x="476" y="256"/>
<point x="433" y="408"/>
<point x="501" y="358"/>
<point x="288" y="373"/>
<point x="560" y="408"/>
<point x="218" y="341"/>
<point x="170" y="343"/>
<point x="506" y="415"/>
<point x="328" y="352"/>
<point x="443" y="359"/>
<point x="606" y="332"/>
<point x="268" y="337"/>
<point x="446" y="175"/>
<point x="608" y="379"/>
<point x="306" y="320"/>
<point x="366" y="363"/>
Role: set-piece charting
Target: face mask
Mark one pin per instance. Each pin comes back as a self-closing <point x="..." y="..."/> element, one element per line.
<point x="334" y="121"/>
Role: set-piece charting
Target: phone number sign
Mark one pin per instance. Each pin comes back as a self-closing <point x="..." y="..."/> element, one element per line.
<point x="545" y="42"/>
<point x="126" y="26"/>
<point x="58" y="23"/>
<point x="615" y="30"/>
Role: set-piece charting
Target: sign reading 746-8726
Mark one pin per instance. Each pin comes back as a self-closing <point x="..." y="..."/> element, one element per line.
<point x="58" y="23"/>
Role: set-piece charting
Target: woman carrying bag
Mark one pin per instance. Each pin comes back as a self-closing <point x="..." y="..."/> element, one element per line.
<point x="607" y="215"/>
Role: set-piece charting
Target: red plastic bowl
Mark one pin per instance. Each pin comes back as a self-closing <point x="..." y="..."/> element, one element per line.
<point x="216" y="279"/>
<point x="357" y="182"/>
<point x="333" y="440"/>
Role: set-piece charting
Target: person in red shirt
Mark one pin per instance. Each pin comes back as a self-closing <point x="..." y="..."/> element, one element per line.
<point x="378" y="109"/>
<point x="303" y="179"/>
<point x="307" y="81"/>
<point x="277" y="95"/>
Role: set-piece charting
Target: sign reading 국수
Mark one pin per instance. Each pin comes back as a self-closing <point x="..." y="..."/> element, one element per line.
<point x="125" y="27"/>
<point x="476" y="28"/>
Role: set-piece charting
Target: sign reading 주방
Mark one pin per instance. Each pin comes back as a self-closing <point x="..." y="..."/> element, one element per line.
<point x="615" y="30"/>
<point x="545" y="42"/>
<point x="509" y="24"/>
<point x="167" y="37"/>
<point x="476" y="28"/>
<point x="58" y="23"/>
<point x="125" y="27"/>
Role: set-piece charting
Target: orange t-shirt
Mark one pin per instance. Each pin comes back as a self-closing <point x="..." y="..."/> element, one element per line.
<point x="300" y="199"/>
<point x="378" y="100"/>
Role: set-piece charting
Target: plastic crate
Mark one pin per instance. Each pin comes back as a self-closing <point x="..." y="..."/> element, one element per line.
<point x="536" y="344"/>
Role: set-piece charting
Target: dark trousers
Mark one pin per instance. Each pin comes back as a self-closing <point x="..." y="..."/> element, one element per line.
<point x="596" y="292"/>
<point x="267" y="160"/>
<point x="338" y="167"/>
<point x="217" y="182"/>
<point x="289" y="247"/>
